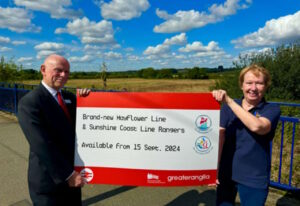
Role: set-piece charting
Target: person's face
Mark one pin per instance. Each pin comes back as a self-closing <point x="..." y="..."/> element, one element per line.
<point x="55" y="73"/>
<point x="253" y="87"/>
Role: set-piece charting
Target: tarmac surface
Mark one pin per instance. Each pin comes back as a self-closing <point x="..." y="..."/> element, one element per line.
<point x="14" y="192"/>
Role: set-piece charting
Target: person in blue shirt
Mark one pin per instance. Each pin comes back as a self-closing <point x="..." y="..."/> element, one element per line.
<point x="247" y="127"/>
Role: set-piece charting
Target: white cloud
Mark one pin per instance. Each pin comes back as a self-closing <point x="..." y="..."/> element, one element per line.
<point x="24" y="59"/>
<point x="47" y="48"/>
<point x="276" y="31"/>
<point x="180" y="56"/>
<point x="200" y="54"/>
<point x="45" y="53"/>
<point x="163" y="50"/>
<point x="133" y="58"/>
<point x="199" y="47"/>
<point x="157" y="50"/>
<point x="113" y="55"/>
<point x="56" y="8"/>
<point x="107" y="38"/>
<point x="187" y="20"/>
<point x="178" y="40"/>
<point x="91" y="48"/>
<point x="4" y="40"/>
<point x="4" y="49"/>
<point x="228" y="8"/>
<point x="159" y="56"/>
<point x="123" y="9"/>
<point x="181" y="21"/>
<point x="162" y="62"/>
<point x="18" y="42"/>
<point x="114" y="46"/>
<point x="211" y="54"/>
<point x="28" y="64"/>
<point x="17" y="19"/>
<point x="90" y="32"/>
<point x="85" y="58"/>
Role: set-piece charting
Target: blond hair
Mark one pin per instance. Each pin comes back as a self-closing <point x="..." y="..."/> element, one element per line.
<point x="257" y="71"/>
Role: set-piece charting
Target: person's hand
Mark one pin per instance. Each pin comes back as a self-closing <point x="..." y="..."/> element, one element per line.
<point x="221" y="96"/>
<point x="76" y="180"/>
<point x="84" y="92"/>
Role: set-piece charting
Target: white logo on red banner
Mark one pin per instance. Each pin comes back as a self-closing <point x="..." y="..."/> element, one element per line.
<point x="87" y="174"/>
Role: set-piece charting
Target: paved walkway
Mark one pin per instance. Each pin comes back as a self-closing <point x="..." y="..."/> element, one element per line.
<point x="14" y="192"/>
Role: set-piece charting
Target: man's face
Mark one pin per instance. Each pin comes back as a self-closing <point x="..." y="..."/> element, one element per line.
<point x="55" y="72"/>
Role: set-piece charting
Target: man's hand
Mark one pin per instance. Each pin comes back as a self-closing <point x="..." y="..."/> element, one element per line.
<point x="84" y="92"/>
<point x="76" y="180"/>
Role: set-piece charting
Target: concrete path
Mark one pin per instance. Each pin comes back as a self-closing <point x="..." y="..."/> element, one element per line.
<point x="14" y="191"/>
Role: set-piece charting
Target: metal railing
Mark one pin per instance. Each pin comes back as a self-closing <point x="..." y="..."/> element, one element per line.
<point x="10" y="94"/>
<point x="288" y="133"/>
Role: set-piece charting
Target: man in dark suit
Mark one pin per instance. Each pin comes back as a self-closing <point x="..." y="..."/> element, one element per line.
<point x="50" y="132"/>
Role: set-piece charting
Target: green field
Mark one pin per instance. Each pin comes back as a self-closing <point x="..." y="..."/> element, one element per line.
<point x="142" y="85"/>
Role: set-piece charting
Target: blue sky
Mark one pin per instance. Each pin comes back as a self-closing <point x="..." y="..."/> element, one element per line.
<point x="134" y="34"/>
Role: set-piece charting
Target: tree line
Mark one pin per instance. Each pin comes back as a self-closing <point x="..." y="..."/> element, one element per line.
<point x="283" y="64"/>
<point x="10" y="71"/>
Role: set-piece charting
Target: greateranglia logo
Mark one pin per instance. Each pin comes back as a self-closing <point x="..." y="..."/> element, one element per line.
<point x="152" y="176"/>
<point x="203" y="145"/>
<point x="154" y="179"/>
<point x="87" y="174"/>
<point x="203" y="123"/>
<point x="199" y="178"/>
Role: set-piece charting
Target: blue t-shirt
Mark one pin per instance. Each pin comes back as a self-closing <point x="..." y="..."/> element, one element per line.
<point x="246" y="155"/>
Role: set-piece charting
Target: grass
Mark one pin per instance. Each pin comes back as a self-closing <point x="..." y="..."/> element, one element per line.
<point x="141" y="85"/>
